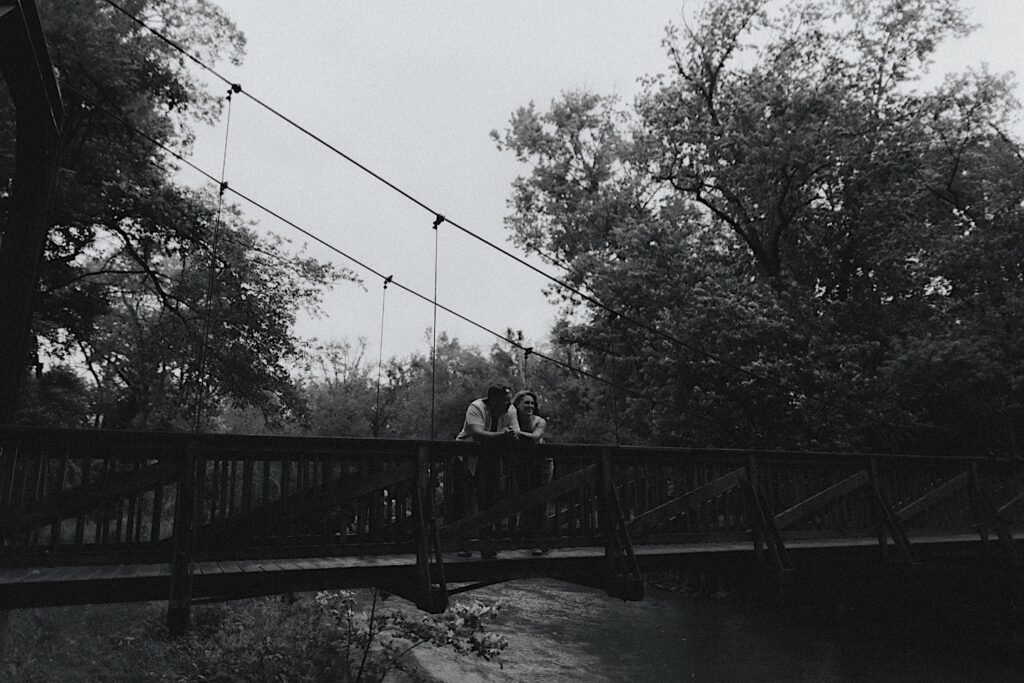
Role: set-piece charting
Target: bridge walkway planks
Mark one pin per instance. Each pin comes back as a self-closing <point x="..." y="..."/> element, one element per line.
<point x="232" y="579"/>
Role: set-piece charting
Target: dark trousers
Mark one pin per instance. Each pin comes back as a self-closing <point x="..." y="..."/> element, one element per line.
<point x="469" y="493"/>
<point x="530" y="473"/>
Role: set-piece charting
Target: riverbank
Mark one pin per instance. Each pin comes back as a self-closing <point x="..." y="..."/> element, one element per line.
<point x="306" y="637"/>
<point x="853" y="624"/>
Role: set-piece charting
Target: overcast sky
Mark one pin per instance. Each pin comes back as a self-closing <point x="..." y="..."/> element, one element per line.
<point x="411" y="90"/>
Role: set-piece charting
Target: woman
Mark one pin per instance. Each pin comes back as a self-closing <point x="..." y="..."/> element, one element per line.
<point x="533" y="473"/>
<point x="531" y="425"/>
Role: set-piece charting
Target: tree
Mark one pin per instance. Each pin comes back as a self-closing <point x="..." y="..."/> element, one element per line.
<point x="828" y="252"/>
<point x="418" y="390"/>
<point x="126" y="287"/>
<point x="339" y="390"/>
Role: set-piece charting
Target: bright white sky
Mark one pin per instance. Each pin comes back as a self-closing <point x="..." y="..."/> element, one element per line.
<point x="411" y="90"/>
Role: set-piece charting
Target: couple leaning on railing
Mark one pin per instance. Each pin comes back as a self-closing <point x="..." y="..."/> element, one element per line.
<point x="499" y="416"/>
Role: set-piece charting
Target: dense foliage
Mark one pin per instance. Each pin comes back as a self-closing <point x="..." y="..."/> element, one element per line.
<point x="325" y="636"/>
<point x="126" y="294"/>
<point x="834" y="253"/>
<point x="830" y="253"/>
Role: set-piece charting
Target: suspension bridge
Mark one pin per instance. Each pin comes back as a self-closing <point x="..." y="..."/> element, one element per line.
<point x="102" y="516"/>
<point x="99" y="516"/>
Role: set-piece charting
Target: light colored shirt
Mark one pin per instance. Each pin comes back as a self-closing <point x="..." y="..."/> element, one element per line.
<point x="479" y="413"/>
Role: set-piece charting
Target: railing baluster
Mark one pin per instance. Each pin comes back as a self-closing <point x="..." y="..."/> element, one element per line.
<point x="247" y="467"/>
<point x="118" y="507"/>
<point x="131" y="503"/>
<point x="266" y="482"/>
<point x="286" y="471"/>
<point x="232" y="485"/>
<point x="156" y="519"/>
<point x="39" y="490"/>
<point x="81" y="519"/>
<point x="223" y="483"/>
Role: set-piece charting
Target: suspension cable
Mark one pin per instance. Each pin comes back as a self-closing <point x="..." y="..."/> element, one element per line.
<point x="380" y="356"/>
<point x="241" y="195"/>
<point x="766" y="378"/>
<point x="438" y="219"/>
<point x="211" y="277"/>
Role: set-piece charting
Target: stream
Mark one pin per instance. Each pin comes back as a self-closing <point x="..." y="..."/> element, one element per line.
<point x="562" y="632"/>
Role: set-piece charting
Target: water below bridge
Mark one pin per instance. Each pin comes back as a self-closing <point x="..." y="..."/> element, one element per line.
<point x="562" y="632"/>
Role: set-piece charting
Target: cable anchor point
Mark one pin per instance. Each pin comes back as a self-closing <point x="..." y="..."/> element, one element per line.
<point x="387" y="281"/>
<point x="438" y="220"/>
<point x="223" y="188"/>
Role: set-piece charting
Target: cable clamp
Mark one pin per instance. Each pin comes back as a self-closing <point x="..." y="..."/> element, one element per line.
<point x="387" y="280"/>
<point x="438" y="220"/>
<point x="527" y="351"/>
<point x="234" y="89"/>
<point x="223" y="188"/>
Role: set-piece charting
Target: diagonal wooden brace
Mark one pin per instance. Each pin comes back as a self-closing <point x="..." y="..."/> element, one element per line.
<point x="936" y="495"/>
<point x="766" y="530"/>
<point x="988" y="517"/>
<point x="687" y="501"/>
<point x="889" y="520"/>
<point x="821" y="499"/>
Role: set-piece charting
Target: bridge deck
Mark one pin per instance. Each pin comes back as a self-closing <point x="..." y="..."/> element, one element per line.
<point x="226" y="579"/>
<point x="90" y="516"/>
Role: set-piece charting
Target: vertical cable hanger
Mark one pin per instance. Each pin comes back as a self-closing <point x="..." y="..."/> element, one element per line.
<point x="380" y="356"/>
<point x="653" y="439"/>
<point x="438" y="219"/>
<point x="612" y="317"/>
<point x="615" y="411"/>
<point x="211" y="278"/>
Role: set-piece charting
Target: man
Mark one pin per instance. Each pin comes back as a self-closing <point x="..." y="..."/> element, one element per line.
<point x="491" y="420"/>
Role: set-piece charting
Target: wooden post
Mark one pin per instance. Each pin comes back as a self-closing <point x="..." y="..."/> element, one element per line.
<point x="623" y="572"/>
<point x="429" y="599"/>
<point x="979" y="515"/>
<point x="1014" y="449"/>
<point x="8" y="456"/>
<point x="5" y="617"/>
<point x="753" y="515"/>
<point x="25" y="66"/>
<point x="179" y="604"/>
<point x="883" y="537"/>
<point x="604" y="517"/>
<point x="422" y="481"/>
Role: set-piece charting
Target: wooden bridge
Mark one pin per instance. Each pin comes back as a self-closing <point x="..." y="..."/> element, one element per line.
<point x="102" y="516"/>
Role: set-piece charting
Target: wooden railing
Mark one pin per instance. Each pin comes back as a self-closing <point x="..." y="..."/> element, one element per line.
<point x="89" y="497"/>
